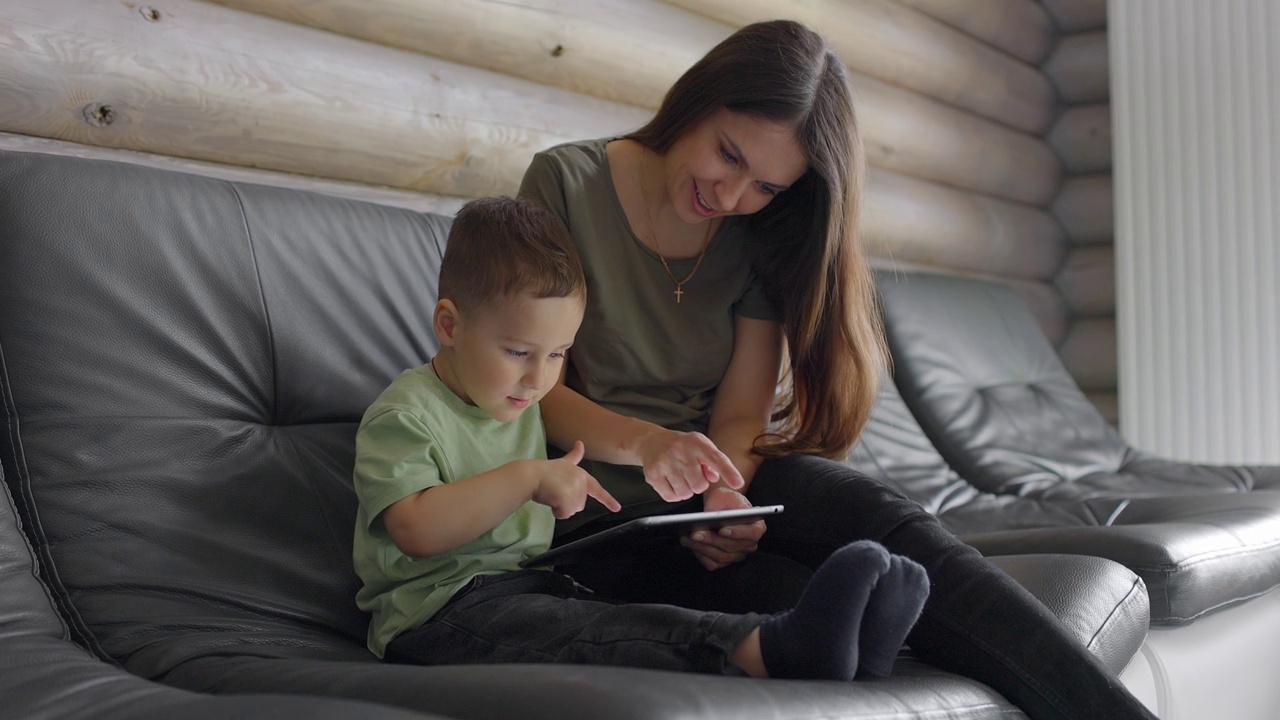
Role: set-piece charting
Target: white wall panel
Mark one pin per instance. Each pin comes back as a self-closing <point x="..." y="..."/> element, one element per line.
<point x="1196" y="113"/>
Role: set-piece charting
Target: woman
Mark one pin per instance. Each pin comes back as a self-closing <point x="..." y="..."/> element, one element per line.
<point x="720" y="241"/>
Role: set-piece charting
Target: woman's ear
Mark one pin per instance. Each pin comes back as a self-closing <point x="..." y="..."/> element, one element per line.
<point x="445" y="321"/>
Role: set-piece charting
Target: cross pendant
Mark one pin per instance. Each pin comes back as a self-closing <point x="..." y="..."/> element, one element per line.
<point x="678" y="292"/>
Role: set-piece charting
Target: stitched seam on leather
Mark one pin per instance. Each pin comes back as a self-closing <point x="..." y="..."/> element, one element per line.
<point x="978" y="712"/>
<point x="1169" y="619"/>
<point x="1204" y="557"/>
<point x="10" y="425"/>
<point x="271" y="345"/>
<point x="74" y="628"/>
<point x="262" y="297"/>
<point x="331" y="526"/>
<point x="1114" y="614"/>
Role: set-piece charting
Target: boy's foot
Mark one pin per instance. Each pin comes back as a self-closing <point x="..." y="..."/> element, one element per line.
<point x="818" y="639"/>
<point x="891" y="612"/>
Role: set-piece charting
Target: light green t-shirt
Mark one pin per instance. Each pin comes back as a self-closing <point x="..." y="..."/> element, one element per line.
<point x="639" y="352"/>
<point x="419" y="434"/>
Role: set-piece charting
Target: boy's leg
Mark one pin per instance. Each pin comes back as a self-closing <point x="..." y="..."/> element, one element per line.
<point x="823" y="637"/>
<point x="534" y="616"/>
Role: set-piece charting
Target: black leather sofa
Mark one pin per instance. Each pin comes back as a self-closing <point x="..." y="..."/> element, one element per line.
<point x="1042" y="471"/>
<point x="183" y="363"/>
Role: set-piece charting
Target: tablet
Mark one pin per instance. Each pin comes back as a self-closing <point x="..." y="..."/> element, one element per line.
<point x="632" y="533"/>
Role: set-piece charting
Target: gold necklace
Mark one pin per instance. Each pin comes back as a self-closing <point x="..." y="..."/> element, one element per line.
<point x="706" y="239"/>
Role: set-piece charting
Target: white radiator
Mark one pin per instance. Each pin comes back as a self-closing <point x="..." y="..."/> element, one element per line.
<point x="1195" y="103"/>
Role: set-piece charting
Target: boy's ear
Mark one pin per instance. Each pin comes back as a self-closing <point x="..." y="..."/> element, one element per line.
<point x="445" y="321"/>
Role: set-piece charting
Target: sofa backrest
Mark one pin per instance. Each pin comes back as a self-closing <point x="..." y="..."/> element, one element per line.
<point x="987" y="387"/>
<point x="895" y="450"/>
<point x="184" y="362"/>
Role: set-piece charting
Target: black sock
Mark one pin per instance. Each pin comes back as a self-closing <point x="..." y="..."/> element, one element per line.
<point x="818" y="639"/>
<point x="891" y="612"/>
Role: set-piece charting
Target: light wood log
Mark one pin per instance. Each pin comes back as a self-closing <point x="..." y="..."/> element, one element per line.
<point x="211" y="83"/>
<point x="913" y="135"/>
<point x="1107" y="403"/>
<point x="1078" y="68"/>
<point x="562" y="44"/>
<point x="1082" y="138"/>
<point x="1021" y="28"/>
<point x="898" y="44"/>
<point x="1087" y="280"/>
<point x="1085" y="207"/>
<point x="1043" y="299"/>
<point x="1077" y="15"/>
<point x="422" y="202"/>
<point x="905" y="131"/>
<point x="1089" y="352"/>
<point x="912" y="220"/>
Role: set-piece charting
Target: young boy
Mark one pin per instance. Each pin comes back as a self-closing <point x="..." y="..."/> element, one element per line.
<point x="455" y="490"/>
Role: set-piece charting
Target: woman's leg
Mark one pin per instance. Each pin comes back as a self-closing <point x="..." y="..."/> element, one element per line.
<point x="527" y="617"/>
<point x="764" y="583"/>
<point x="978" y="621"/>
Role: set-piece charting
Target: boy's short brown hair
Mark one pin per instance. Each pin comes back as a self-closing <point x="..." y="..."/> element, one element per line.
<point x="500" y="246"/>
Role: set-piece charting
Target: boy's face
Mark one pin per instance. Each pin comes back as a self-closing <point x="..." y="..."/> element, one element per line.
<point x="509" y="353"/>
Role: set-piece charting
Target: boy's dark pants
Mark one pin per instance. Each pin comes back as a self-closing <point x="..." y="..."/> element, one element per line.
<point x="536" y="616"/>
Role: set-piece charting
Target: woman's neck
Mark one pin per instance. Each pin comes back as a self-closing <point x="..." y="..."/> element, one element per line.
<point x="641" y="181"/>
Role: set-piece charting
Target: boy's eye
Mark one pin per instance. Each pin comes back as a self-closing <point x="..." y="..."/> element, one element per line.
<point x="517" y="353"/>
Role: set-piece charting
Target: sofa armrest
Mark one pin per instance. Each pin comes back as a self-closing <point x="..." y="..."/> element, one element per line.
<point x="1101" y="602"/>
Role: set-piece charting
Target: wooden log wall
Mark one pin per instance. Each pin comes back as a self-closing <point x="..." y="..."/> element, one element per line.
<point x="449" y="99"/>
<point x="1081" y="136"/>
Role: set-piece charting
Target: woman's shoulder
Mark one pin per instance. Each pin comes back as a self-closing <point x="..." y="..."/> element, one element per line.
<point x="576" y="155"/>
<point x="565" y="174"/>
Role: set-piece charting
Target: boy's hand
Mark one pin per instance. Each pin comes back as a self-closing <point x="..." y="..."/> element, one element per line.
<point x="565" y="487"/>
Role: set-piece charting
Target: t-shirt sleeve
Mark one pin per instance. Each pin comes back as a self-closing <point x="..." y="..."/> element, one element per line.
<point x="544" y="184"/>
<point x="396" y="456"/>
<point x="755" y="304"/>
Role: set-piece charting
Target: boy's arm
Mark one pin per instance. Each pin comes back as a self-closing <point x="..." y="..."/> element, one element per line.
<point x="446" y="517"/>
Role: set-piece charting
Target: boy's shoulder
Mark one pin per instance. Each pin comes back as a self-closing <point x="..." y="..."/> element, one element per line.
<point x="415" y="391"/>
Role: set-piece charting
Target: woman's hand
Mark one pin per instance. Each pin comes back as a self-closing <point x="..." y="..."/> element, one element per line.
<point x="731" y="543"/>
<point x="680" y="465"/>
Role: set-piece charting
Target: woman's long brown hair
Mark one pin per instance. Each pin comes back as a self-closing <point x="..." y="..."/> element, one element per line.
<point x="810" y="258"/>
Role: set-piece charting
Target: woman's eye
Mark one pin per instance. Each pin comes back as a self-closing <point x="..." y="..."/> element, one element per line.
<point x="557" y="355"/>
<point x="767" y="190"/>
<point x="728" y="156"/>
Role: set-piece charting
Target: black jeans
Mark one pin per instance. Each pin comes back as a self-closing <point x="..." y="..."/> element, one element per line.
<point x="536" y="616"/>
<point x="978" y="621"/>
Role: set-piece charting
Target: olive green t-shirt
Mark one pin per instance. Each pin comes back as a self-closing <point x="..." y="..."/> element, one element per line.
<point x="639" y="352"/>
<point x="418" y="434"/>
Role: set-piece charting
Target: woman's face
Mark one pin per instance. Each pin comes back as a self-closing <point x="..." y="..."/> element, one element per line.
<point x="731" y="164"/>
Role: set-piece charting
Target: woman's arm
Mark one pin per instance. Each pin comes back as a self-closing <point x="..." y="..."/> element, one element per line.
<point x="677" y="464"/>
<point x="744" y="401"/>
<point x="740" y="413"/>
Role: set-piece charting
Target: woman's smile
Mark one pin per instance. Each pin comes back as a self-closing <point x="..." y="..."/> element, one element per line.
<point x="700" y="205"/>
